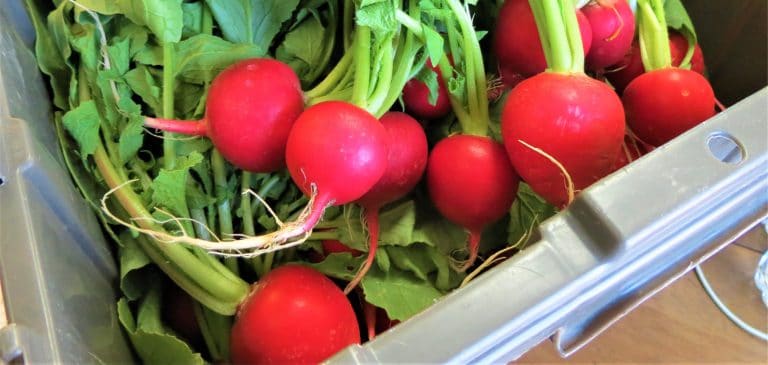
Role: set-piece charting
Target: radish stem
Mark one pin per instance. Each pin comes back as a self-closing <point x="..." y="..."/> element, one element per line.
<point x="654" y="37"/>
<point x="362" y="67"/>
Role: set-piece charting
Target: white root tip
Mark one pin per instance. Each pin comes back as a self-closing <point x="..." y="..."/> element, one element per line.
<point x="288" y="235"/>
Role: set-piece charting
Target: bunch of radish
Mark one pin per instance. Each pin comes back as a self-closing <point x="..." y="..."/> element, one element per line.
<point x="344" y="141"/>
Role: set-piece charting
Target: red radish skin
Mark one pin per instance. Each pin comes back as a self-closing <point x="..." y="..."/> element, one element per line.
<point x="630" y="151"/>
<point x="631" y="65"/>
<point x="335" y="153"/>
<point x="294" y="315"/>
<point x="516" y="40"/>
<point x="335" y="246"/>
<point x="613" y="28"/>
<point x="664" y="103"/>
<point x="416" y="98"/>
<point x="250" y="110"/>
<point x="406" y="161"/>
<point x="576" y="120"/>
<point x="472" y="183"/>
<point x="179" y="314"/>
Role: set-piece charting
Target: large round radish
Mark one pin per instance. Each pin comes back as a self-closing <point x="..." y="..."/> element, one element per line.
<point x="472" y="184"/>
<point x="572" y="119"/>
<point x="406" y="160"/>
<point x="294" y="315"/>
<point x="631" y="66"/>
<point x="516" y="40"/>
<point x="335" y="153"/>
<point x="664" y="103"/>
<point x="250" y="109"/>
<point x="416" y="97"/>
<point x="613" y="28"/>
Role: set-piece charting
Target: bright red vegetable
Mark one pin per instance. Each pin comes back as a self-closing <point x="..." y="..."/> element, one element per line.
<point x="630" y="151"/>
<point x="406" y="161"/>
<point x="516" y="40"/>
<point x="664" y="103"/>
<point x="472" y="184"/>
<point x="576" y="120"/>
<point x="416" y="98"/>
<point x="335" y="246"/>
<point x="294" y="315"/>
<point x="250" y="109"/>
<point x="335" y="153"/>
<point x="631" y="66"/>
<point x="613" y="28"/>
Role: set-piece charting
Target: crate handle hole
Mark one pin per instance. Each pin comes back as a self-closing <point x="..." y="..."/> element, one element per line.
<point x="725" y="148"/>
<point x="2" y="180"/>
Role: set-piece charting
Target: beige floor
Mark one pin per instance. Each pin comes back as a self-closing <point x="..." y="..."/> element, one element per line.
<point x="681" y="324"/>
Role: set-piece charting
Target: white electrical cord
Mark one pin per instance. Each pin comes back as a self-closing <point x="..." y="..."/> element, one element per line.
<point x="761" y="281"/>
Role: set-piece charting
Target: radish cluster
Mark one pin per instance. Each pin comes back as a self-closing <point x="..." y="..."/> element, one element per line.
<point x="561" y="131"/>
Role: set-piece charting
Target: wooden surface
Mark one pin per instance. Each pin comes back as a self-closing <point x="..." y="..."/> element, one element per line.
<point x="681" y="324"/>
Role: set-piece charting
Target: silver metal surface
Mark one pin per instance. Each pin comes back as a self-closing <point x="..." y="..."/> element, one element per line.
<point x="621" y="241"/>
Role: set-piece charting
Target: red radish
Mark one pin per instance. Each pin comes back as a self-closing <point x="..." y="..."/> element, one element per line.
<point x="335" y="246"/>
<point x="631" y="66"/>
<point x="376" y="320"/>
<point x="562" y="130"/>
<point x="416" y="98"/>
<point x="664" y="103"/>
<point x="576" y="120"/>
<point x="383" y="322"/>
<point x="613" y="28"/>
<point x="510" y="77"/>
<point x="516" y="40"/>
<point x="472" y="184"/>
<point x="335" y="153"/>
<point x="250" y="109"/>
<point x="296" y="315"/>
<point x="179" y="314"/>
<point x="406" y="160"/>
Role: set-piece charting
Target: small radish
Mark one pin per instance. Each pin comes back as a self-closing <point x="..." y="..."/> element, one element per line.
<point x="250" y="109"/>
<point x="562" y="129"/>
<point x="416" y="97"/>
<point x="631" y="66"/>
<point x="665" y="101"/>
<point x="613" y="28"/>
<point x="293" y="315"/>
<point x="469" y="177"/>
<point x="336" y="152"/>
<point x="406" y="160"/>
<point x="472" y="184"/>
<point x="516" y="40"/>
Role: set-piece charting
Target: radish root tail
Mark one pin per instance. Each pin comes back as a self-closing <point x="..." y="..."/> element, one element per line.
<point x="473" y="245"/>
<point x="569" y="187"/>
<point x="288" y="235"/>
<point x="371" y="218"/>
<point x="499" y="255"/>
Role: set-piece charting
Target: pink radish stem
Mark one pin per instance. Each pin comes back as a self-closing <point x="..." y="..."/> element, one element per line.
<point x="372" y="221"/>
<point x="187" y="127"/>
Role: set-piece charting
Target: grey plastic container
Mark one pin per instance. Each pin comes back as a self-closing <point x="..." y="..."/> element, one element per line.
<point x="56" y="271"/>
<point x="619" y="243"/>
